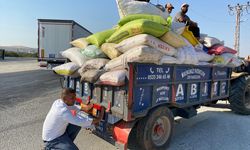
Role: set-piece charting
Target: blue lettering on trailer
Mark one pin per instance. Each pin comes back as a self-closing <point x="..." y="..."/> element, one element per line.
<point x="184" y="73"/>
<point x="223" y="88"/>
<point x="205" y="90"/>
<point x="162" y="94"/>
<point x="215" y="91"/>
<point x="194" y="92"/>
<point x="221" y="73"/>
<point x="142" y="98"/>
<point x="180" y="93"/>
<point x="153" y="74"/>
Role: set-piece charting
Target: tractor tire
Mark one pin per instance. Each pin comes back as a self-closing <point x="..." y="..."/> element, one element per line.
<point x="154" y="131"/>
<point x="239" y="97"/>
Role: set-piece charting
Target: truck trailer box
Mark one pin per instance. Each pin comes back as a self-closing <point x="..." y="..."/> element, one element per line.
<point x="54" y="36"/>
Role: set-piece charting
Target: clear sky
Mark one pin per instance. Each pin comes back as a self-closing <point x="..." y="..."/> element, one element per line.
<point x="18" y="18"/>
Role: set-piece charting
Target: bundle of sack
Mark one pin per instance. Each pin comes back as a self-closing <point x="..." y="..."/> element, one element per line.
<point x="142" y="35"/>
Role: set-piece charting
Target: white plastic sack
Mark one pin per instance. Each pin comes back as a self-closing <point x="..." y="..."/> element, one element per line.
<point x="202" y="56"/>
<point x="168" y="60"/>
<point x="74" y="54"/>
<point x="117" y="63"/>
<point x="115" y="78"/>
<point x="120" y="4"/>
<point x="97" y="63"/>
<point x="66" y="69"/>
<point x="211" y="41"/>
<point x="127" y="7"/>
<point x="187" y="55"/>
<point x="141" y="54"/>
<point x="178" y="27"/>
<point x="146" y="39"/>
<point x="201" y="63"/>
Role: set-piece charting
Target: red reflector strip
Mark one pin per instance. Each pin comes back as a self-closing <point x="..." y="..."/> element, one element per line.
<point x="98" y="107"/>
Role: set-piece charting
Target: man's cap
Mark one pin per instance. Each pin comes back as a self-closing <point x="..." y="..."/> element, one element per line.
<point x="169" y="5"/>
<point x="184" y="5"/>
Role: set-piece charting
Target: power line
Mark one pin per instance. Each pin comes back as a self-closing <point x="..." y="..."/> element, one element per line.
<point x="211" y="19"/>
<point x="239" y="11"/>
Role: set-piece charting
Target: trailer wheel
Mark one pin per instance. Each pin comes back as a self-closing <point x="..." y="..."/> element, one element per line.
<point x="239" y="97"/>
<point x="155" y="130"/>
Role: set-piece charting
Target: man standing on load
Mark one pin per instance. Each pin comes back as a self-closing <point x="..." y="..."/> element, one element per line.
<point x="61" y="126"/>
<point x="182" y="17"/>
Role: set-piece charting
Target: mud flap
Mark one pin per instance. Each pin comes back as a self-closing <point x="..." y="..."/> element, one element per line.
<point x="121" y="133"/>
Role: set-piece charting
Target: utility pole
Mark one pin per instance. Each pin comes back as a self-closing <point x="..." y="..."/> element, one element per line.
<point x="238" y="9"/>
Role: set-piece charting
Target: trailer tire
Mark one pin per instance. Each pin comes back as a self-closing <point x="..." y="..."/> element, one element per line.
<point x="154" y="132"/>
<point x="239" y="97"/>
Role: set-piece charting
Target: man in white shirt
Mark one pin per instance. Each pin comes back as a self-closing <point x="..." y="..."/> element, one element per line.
<point x="61" y="126"/>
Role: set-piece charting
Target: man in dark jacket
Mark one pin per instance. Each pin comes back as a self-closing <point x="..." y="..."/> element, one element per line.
<point x="182" y="17"/>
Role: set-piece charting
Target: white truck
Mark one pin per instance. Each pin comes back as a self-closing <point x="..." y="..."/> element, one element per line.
<point x="55" y="36"/>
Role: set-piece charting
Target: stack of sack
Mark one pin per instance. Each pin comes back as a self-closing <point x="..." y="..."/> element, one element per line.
<point x="142" y="35"/>
<point x="224" y="56"/>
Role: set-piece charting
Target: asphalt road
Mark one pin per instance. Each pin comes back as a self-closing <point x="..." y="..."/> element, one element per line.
<point x="27" y="92"/>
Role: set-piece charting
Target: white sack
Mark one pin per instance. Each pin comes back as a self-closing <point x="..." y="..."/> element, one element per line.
<point x="178" y="27"/>
<point x="169" y="60"/>
<point x="202" y="56"/>
<point x="74" y="54"/>
<point x="115" y="78"/>
<point x="187" y="55"/>
<point x="66" y="69"/>
<point x="141" y="54"/>
<point x="93" y="64"/>
<point x="211" y="41"/>
<point x="145" y="39"/>
<point x="127" y="7"/>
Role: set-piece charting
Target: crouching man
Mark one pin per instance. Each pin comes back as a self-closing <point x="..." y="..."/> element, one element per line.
<point x="61" y="126"/>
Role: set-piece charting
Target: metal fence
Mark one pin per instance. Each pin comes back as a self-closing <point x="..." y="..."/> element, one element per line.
<point x="2" y="53"/>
